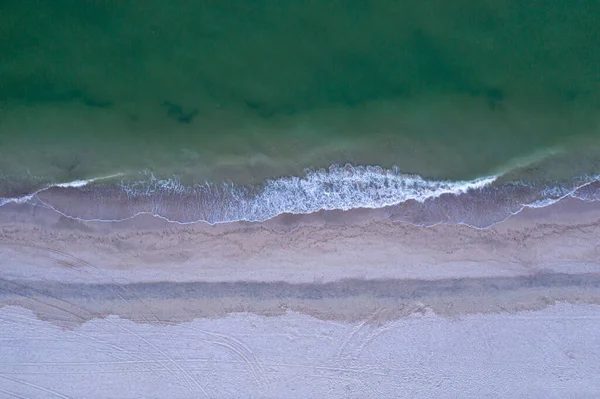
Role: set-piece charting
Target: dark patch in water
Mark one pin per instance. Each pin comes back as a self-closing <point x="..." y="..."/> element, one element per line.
<point x="576" y="94"/>
<point x="68" y="164"/>
<point x="133" y="117"/>
<point x="267" y="111"/>
<point x="96" y="103"/>
<point x="176" y="112"/>
<point x="37" y="90"/>
<point x="254" y="105"/>
<point x="259" y="108"/>
<point x="571" y="95"/>
<point x="437" y="69"/>
<point x="494" y="97"/>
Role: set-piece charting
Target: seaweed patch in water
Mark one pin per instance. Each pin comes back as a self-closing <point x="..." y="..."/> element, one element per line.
<point x="176" y="112"/>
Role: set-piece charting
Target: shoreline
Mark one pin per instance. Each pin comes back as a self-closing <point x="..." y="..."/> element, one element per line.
<point x="480" y="203"/>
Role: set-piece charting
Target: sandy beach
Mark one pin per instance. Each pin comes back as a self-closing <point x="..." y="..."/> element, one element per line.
<point x="331" y="278"/>
<point x="340" y="266"/>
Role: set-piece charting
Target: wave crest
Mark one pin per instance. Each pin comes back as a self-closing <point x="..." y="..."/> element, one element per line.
<point x="337" y="188"/>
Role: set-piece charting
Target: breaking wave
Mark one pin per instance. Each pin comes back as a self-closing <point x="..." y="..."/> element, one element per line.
<point x="479" y="202"/>
<point x="338" y="188"/>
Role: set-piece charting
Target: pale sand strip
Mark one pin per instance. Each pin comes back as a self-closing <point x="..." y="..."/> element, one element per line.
<point x="552" y="353"/>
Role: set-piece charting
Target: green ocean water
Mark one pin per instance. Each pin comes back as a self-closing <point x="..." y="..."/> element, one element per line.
<point x="248" y="90"/>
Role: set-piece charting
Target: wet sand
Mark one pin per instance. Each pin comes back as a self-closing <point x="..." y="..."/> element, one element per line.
<point x="268" y="293"/>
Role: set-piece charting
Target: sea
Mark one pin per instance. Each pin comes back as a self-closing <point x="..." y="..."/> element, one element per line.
<point x="463" y="111"/>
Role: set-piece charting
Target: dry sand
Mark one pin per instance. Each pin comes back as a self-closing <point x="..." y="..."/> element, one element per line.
<point x="270" y="310"/>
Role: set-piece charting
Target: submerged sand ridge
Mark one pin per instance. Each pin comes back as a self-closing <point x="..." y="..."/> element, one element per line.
<point x="344" y="266"/>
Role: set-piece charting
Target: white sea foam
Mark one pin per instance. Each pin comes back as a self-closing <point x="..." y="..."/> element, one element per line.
<point x="543" y="203"/>
<point x="75" y="183"/>
<point x="347" y="188"/>
<point x="17" y="200"/>
<point x="70" y="184"/>
<point x="338" y="188"/>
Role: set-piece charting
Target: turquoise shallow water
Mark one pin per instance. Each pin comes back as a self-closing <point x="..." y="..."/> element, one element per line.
<point x="253" y="91"/>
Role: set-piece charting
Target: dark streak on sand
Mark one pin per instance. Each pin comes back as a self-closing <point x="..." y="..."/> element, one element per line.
<point x="345" y="299"/>
<point x="404" y="289"/>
